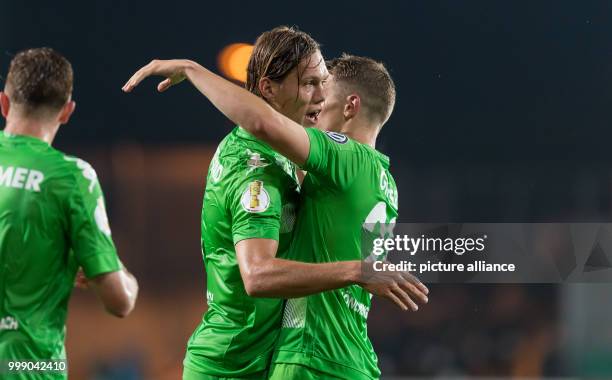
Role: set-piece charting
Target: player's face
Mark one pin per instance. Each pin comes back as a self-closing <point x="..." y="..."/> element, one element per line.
<point x="332" y="117"/>
<point x="302" y="101"/>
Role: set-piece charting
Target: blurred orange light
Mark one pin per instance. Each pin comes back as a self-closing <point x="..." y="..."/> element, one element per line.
<point x="234" y="59"/>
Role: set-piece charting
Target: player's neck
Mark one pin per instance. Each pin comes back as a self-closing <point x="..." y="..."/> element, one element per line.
<point x="39" y="129"/>
<point x="361" y="132"/>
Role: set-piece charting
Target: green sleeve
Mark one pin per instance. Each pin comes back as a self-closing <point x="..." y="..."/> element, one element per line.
<point x="255" y="201"/>
<point x="90" y="235"/>
<point x="333" y="158"/>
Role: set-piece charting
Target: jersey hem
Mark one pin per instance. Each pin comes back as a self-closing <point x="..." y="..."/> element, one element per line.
<point x="100" y="263"/>
<point x="320" y="364"/>
<point x="214" y="368"/>
<point x="271" y="234"/>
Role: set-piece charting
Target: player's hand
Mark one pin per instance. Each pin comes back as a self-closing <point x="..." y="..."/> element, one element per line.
<point x="81" y="281"/>
<point x="173" y="70"/>
<point x="401" y="288"/>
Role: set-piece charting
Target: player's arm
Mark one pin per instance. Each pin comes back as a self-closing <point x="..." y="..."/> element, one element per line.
<point x="117" y="291"/>
<point x="93" y="247"/>
<point x="245" y="109"/>
<point x="254" y="199"/>
<point x="264" y="275"/>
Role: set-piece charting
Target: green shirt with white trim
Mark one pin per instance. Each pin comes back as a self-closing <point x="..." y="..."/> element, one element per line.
<point x="52" y="221"/>
<point x="251" y="192"/>
<point x="348" y="197"/>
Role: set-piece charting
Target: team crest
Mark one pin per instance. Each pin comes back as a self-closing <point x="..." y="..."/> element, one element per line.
<point x="255" y="198"/>
<point x="337" y="137"/>
<point x="256" y="161"/>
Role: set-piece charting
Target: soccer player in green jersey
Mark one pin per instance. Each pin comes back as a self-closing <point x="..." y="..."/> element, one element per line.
<point x="348" y="189"/>
<point x="52" y="220"/>
<point x="249" y="211"/>
<point x="325" y="335"/>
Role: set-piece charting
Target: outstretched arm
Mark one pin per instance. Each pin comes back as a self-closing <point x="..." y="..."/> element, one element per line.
<point x="243" y="108"/>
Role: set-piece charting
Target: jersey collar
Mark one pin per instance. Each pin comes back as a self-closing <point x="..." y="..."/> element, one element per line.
<point x="381" y="157"/>
<point x="24" y="138"/>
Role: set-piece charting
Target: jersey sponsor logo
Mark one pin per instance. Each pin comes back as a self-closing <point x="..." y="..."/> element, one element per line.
<point x="101" y="217"/>
<point x="355" y="305"/>
<point x="8" y="323"/>
<point x="255" y="161"/>
<point x="21" y="178"/>
<point x="337" y="137"/>
<point x="88" y="172"/>
<point x="255" y="198"/>
<point x="209" y="297"/>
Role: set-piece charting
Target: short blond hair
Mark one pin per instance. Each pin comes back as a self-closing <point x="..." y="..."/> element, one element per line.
<point x="370" y="79"/>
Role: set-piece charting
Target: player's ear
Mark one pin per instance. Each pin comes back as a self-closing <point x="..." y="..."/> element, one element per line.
<point x="352" y="106"/>
<point x="5" y="104"/>
<point x="268" y="89"/>
<point x="66" y="112"/>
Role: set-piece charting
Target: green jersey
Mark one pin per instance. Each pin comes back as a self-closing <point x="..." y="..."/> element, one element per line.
<point x="348" y="189"/>
<point x="251" y="192"/>
<point x="52" y="221"/>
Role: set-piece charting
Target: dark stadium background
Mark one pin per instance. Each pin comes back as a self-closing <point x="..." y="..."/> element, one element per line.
<point x="503" y="115"/>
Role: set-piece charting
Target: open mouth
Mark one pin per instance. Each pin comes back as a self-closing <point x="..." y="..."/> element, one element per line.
<point x="313" y="117"/>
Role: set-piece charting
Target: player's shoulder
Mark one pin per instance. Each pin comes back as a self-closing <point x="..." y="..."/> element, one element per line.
<point x="74" y="163"/>
<point x="241" y="156"/>
<point x="240" y="144"/>
<point x="334" y="140"/>
<point x="241" y="150"/>
<point x="78" y="170"/>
